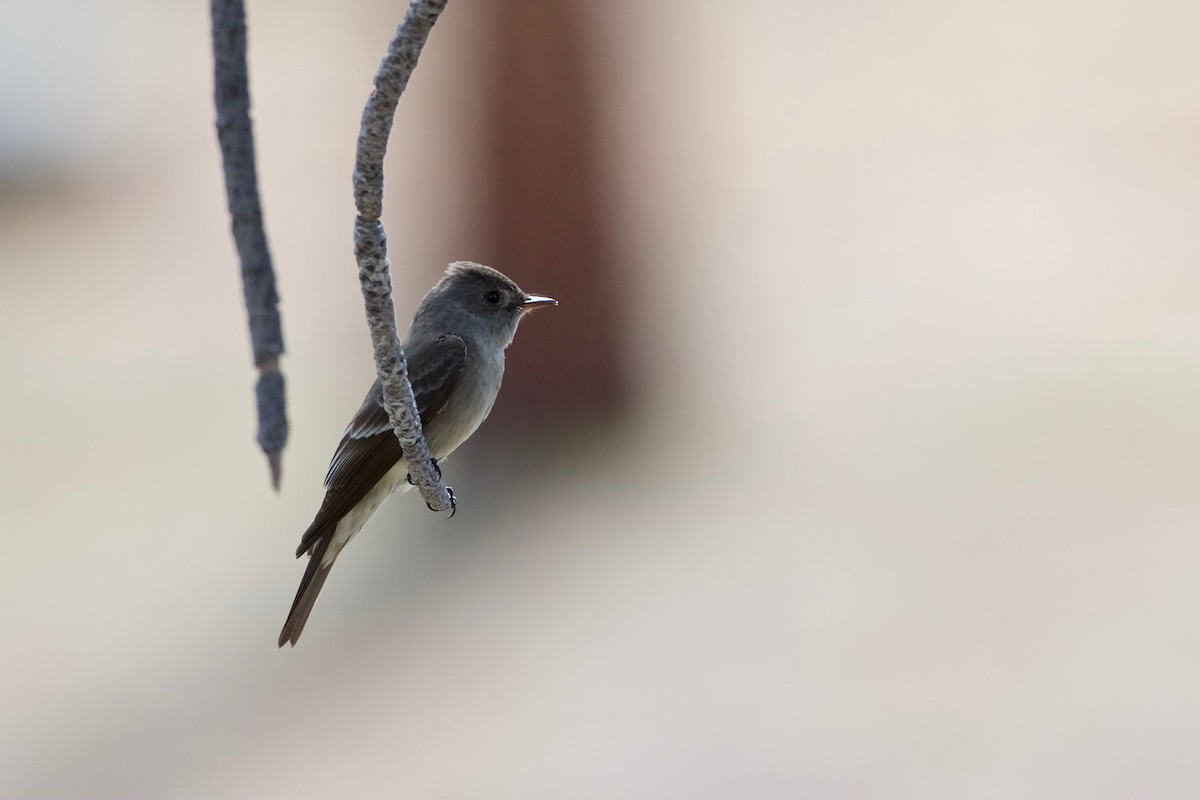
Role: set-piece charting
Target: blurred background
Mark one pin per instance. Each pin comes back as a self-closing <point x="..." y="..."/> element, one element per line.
<point x="861" y="458"/>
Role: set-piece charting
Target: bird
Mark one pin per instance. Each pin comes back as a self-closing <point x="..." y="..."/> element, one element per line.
<point x="455" y="353"/>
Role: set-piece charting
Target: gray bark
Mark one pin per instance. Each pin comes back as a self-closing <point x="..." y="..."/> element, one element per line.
<point x="235" y="134"/>
<point x="370" y="247"/>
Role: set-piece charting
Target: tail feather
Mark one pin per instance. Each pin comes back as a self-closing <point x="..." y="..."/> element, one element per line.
<point x="306" y="595"/>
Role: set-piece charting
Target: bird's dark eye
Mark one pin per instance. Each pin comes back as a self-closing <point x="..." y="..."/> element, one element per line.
<point x="492" y="297"/>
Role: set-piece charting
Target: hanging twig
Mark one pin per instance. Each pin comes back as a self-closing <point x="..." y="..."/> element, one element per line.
<point x="232" y="96"/>
<point x="370" y="246"/>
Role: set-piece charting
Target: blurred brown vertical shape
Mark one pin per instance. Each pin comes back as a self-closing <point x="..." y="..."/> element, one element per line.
<point x="544" y="202"/>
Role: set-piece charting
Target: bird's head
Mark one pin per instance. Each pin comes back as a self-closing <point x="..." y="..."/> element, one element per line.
<point x="470" y="291"/>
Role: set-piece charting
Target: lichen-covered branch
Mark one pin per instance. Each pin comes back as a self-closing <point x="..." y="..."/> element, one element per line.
<point x="232" y="96"/>
<point x="370" y="246"/>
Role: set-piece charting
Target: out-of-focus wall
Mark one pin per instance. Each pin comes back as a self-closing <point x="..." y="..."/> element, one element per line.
<point x="905" y="504"/>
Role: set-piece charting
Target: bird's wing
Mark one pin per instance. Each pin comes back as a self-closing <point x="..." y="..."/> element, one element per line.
<point x="369" y="448"/>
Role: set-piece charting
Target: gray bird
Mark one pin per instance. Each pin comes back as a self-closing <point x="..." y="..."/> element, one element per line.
<point x="455" y="352"/>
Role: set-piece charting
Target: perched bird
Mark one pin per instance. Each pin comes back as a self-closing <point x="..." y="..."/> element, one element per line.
<point x="455" y="352"/>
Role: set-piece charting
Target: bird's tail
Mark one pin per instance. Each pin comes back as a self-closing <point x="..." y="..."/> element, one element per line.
<point x="306" y="595"/>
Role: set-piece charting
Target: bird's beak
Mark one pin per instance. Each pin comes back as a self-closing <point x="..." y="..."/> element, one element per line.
<point x="536" y="301"/>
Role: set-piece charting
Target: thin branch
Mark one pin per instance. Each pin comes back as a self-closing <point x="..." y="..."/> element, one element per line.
<point x="370" y="247"/>
<point x="232" y="96"/>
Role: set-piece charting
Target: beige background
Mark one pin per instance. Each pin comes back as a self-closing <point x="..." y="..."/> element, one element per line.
<point x="906" y="506"/>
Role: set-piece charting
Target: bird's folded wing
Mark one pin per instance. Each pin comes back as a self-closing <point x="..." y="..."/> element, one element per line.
<point x="369" y="448"/>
